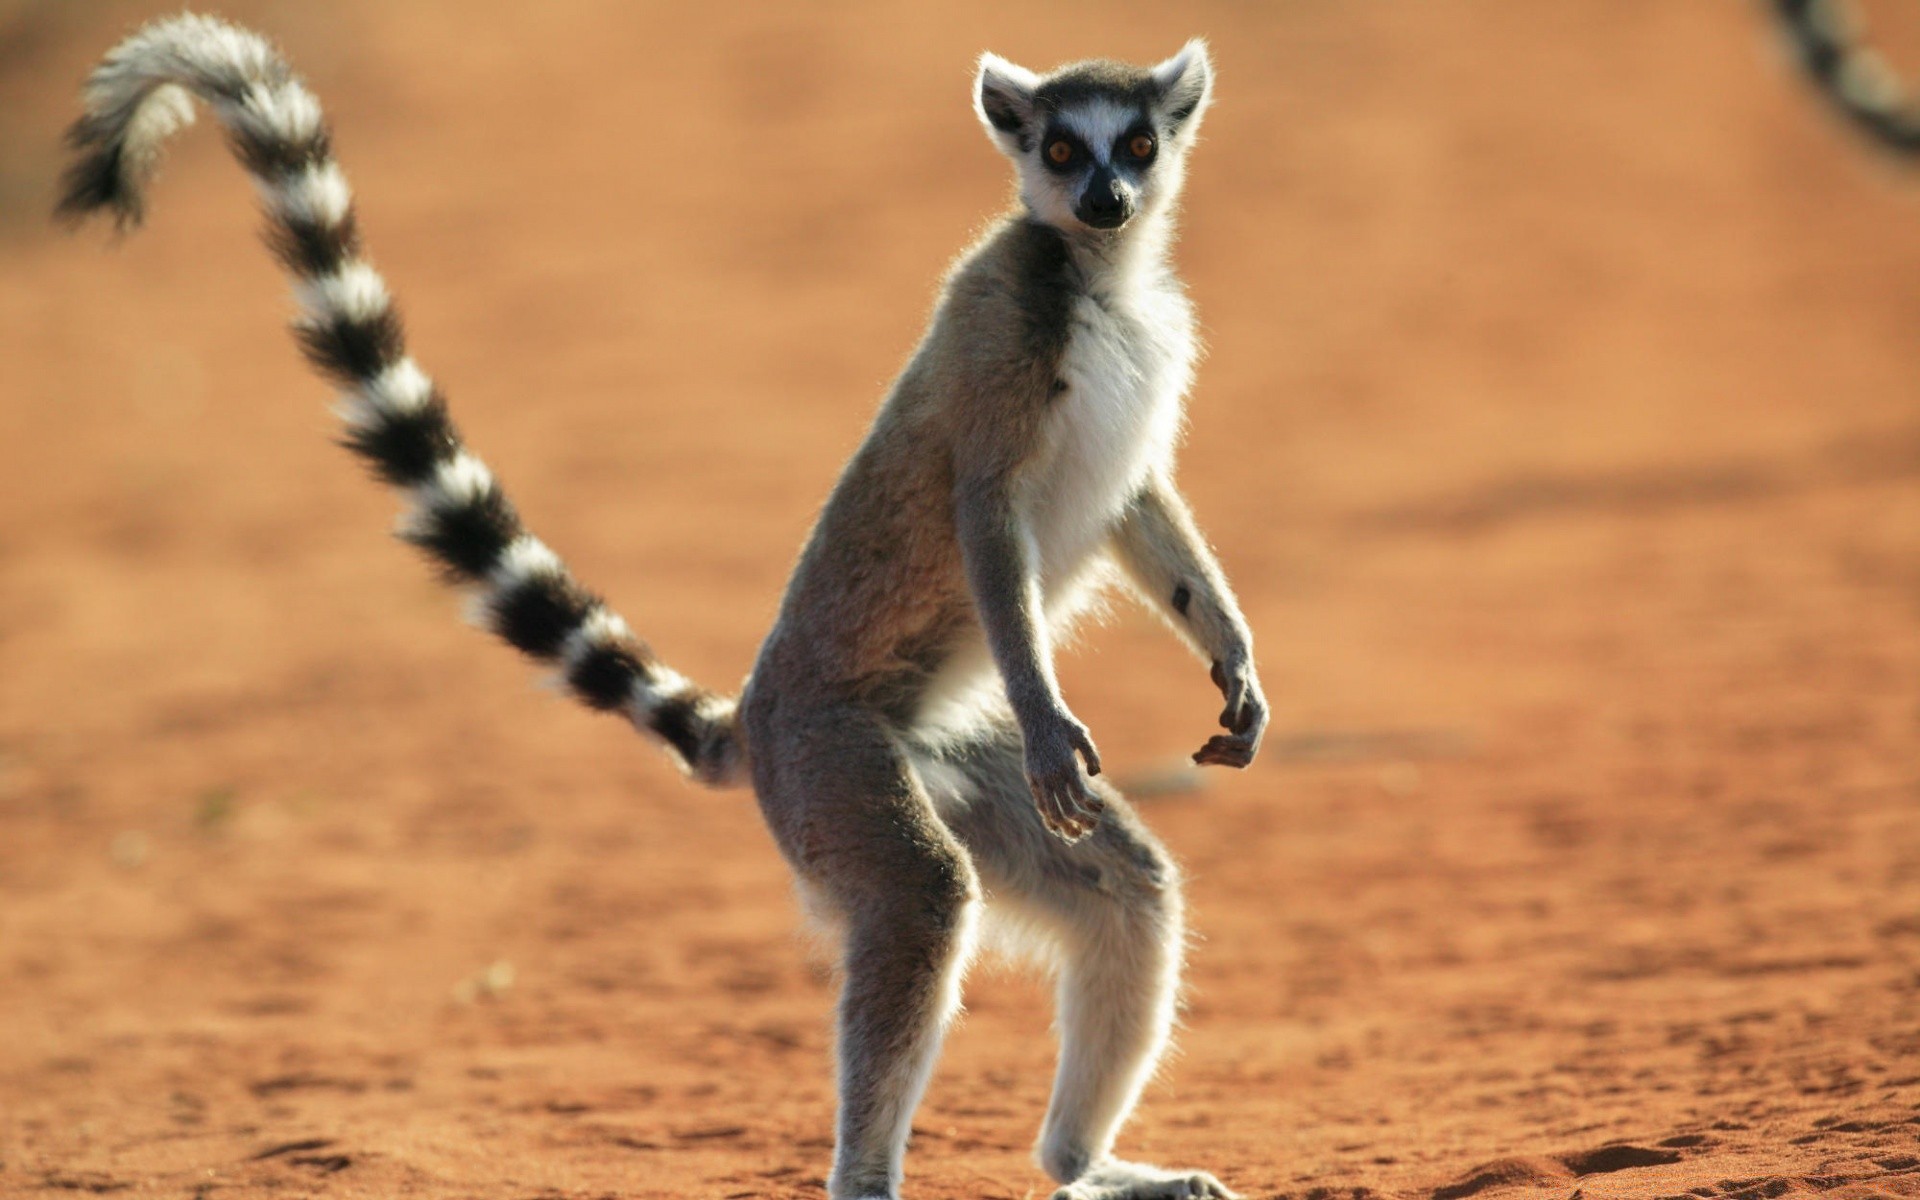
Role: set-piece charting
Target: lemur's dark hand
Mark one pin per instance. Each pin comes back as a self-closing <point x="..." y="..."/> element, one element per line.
<point x="1054" y="750"/>
<point x="1244" y="717"/>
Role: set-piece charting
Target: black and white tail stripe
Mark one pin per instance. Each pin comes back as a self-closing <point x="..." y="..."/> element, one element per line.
<point x="1828" y="37"/>
<point x="396" y="418"/>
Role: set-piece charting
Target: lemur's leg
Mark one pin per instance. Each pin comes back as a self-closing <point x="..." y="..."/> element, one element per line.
<point x="1161" y="548"/>
<point x="1107" y="910"/>
<point x="861" y="831"/>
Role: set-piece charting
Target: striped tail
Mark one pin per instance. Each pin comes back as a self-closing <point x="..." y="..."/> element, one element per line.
<point x="396" y="418"/>
<point x="1828" y="38"/>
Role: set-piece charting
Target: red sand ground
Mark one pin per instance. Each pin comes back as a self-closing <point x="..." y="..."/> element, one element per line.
<point x="1560" y="431"/>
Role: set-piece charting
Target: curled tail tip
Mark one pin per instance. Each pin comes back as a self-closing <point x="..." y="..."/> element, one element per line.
<point x="139" y="95"/>
<point x="116" y="146"/>
<point x="93" y="185"/>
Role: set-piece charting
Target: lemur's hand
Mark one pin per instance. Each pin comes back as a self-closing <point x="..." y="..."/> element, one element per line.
<point x="1244" y="717"/>
<point x="1055" y="746"/>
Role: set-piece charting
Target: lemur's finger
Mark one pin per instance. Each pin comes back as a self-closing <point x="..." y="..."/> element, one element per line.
<point x="1084" y="744"/>
<point x="1069" y="809"/>
<point x="1224" y="750"/>
<point x="1237" y="689"/>
<point x="1233" y="751"/>
<point x="1049" y="813"/>
<point x="1236" y="705"/>
<point x="1088" y="801"/>
<point x="1059" y="799"/>
<point x="1236" y="693"/>
<point x="1081" y="805"/>
<point x="1067" y="828"/>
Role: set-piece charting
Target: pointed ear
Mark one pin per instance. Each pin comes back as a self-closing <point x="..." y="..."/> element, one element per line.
<point x="1003" y="99"/>
<point x="1186" y="83"/>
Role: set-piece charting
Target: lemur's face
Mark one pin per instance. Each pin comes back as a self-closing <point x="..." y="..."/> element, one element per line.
<point x="1096" y="143"/>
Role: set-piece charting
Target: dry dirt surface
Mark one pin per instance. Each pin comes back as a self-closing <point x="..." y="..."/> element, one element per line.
<point x="1561" y="430"/>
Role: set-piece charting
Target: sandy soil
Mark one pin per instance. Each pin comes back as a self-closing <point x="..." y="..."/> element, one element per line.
<point x="1560" y="430"/>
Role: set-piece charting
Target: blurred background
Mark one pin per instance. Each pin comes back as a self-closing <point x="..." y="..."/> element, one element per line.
<point x="1559" y="429"/>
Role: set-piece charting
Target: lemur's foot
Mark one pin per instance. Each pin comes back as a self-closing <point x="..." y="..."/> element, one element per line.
<point x="1117" y="1180"/>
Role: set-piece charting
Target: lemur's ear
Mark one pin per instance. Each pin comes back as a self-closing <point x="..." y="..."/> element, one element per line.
<point x="1003" y="99"/>
<point x="1186" y="83"/>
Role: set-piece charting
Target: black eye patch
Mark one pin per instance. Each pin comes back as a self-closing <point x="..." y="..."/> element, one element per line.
<point x="1125" y="147"/>
<point x="1071" y="152"/>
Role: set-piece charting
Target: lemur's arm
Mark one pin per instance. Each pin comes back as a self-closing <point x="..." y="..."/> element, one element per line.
<point x="998" y="553"/>
<point x="1162" y="549"/>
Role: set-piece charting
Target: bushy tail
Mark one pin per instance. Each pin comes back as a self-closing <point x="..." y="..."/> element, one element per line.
<point x="396" y="418"/>
<point x="1828" y="38"/>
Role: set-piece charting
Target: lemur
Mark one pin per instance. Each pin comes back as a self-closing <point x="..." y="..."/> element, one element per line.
<point x="1826" y="36"/>
<point x="902" y="726"/>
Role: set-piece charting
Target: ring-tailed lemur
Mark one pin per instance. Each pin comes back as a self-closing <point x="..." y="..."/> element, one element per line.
<point x="1827" y="39"/>
<point x="1026" y="448"/>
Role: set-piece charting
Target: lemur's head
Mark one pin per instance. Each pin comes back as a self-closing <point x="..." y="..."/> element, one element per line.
<point x="1096" y="143"/>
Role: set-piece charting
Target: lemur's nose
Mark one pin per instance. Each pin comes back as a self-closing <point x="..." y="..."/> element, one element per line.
<point x="1107" y="202"/>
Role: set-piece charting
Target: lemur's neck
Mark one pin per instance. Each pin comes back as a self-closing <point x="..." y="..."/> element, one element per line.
<point x="1135" y="253"/>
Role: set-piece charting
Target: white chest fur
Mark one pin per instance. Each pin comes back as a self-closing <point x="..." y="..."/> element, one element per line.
<point x="1126" y="369"/>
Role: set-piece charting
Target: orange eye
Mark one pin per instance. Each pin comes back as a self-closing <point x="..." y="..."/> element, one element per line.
<point x="1141" y="146"/>
<point x="1060" y="151"/>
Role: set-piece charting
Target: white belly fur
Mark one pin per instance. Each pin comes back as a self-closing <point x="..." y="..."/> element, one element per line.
<point x="1126" y="368"/>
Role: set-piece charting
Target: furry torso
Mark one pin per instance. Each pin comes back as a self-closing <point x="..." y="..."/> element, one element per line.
<point x="1067" y="369"/>
<point x="1127" y="364"/>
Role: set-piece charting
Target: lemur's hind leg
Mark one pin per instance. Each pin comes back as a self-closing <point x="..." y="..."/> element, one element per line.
<point x="1107" y="911"/>
<point x="860" y="830"/>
